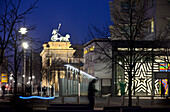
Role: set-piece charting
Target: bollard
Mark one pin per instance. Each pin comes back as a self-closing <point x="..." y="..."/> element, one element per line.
<point x="166" y="97"/>
<point x="122" y="100"/>
<point x="152" y="100"/>
<point x="137" y="100"/>
<point x="108" y="100"/>
<point x="62" y="99"/>
<point x="78" y="100"/>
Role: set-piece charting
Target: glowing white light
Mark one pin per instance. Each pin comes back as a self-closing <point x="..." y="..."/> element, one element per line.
<point x="23" y="75"/>
<point x="10" y="78"/>
<point x="33" y="77"/>
<point x="23" y="30"/>
<point x="25" y="45"/>
<point x="120" y="63"/>
<point x="81" y="72"/>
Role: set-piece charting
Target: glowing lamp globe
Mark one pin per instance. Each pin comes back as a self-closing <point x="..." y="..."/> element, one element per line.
<point x="25" y="45"/>
<point x="23" y="30"/>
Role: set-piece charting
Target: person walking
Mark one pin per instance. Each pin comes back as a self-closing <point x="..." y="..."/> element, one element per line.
<point x="91" y="93"/>
<point x="3" y="90"/>
<point x="44" y="90"/>
<point x="38" y="89"/>
<point x="52" y="89"/>
<point x="162" y="90"/>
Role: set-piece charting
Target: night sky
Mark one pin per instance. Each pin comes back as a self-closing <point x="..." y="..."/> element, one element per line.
<point x="74" y="15"/>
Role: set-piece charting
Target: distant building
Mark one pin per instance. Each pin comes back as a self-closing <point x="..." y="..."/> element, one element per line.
<point x="97" y="65"/>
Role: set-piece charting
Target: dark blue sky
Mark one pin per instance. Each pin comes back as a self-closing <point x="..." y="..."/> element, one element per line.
<point x="74" y="15"/>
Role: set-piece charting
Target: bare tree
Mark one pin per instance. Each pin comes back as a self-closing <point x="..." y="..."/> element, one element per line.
<point x="10" y="16"/>
<point x="130" y="26"/>
<point x="15" y="52"/>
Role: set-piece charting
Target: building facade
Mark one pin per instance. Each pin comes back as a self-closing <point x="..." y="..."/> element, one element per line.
<point x="132" y="46"/>
<point x="154" y="15"/>
<point x="149" y="73"/>
<point x="98" y="65"/>
<point x="62" y="65"/>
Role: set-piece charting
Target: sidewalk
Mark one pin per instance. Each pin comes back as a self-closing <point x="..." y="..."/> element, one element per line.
<point x="100" y="102"/>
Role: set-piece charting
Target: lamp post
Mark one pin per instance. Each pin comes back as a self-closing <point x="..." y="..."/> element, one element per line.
<point x="33" y="77"/>
<point x="23" y="31"/>
<point x="48" y="46"/>
<point x="25" y="46"/>
<point x="11" y="78"/>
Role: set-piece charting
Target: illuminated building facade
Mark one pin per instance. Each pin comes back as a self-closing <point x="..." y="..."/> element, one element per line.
<point x="62" y="65"/>
<point x="150" y="71"/>
<point x="146" y="77"/>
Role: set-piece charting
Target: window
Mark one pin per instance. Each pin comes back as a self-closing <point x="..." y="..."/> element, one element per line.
<point x="125" y="30"/>
<point x="152" y="3"/>
<point x="152" y="25"/>
<point x="125" y="6"/>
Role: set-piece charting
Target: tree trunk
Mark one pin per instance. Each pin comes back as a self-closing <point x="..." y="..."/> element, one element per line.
<point x="15" y="85"/>
<point x="113" y="79"/>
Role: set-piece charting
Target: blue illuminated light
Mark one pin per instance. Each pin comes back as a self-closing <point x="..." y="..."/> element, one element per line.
<point x="39" y="97"/>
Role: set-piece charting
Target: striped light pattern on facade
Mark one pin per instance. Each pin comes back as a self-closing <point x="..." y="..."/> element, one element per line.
<point x="165" y="84"/>
<point x="142" y="82"/>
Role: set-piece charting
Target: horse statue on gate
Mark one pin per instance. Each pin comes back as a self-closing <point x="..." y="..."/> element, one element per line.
<point x="56" y="36"/>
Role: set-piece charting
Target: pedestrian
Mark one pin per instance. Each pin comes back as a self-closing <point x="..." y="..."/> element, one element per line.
<point x="91" y="93"/>
<point x="11" y="89"/>
<point x="52" y="89"/>
<point x="162" y="90"/>
<point x="44" y="90"/>
<point x="38" y="89"/>
<point x="3" y="90"/>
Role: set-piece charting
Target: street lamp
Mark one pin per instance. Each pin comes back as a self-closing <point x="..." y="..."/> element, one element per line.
<point x="33" y="77"/>
<point x="11" y="78"/>
<point x="25" y="46"/>
<point x="23" y="31"/>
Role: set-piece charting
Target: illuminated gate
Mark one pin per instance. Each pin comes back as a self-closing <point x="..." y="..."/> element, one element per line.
<point x="71" y="80"/>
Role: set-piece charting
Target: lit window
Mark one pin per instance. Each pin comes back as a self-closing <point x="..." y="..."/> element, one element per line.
<point x="152" y="25"/>
<point x="92" y="48"/>
<point x="85" y="51"/>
